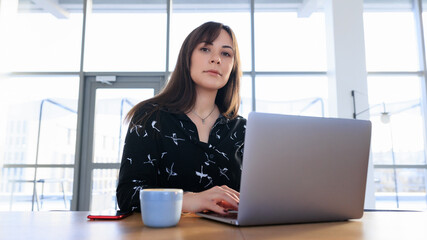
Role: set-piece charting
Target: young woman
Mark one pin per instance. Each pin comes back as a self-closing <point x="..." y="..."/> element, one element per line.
<point x="189" y="136"/>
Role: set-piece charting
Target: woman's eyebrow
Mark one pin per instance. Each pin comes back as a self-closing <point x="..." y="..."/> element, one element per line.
<point x="223" y="46"/>
<point x="207" y="43"/>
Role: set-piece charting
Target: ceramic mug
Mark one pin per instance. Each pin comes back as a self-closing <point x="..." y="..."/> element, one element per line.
<point x="161" y="207"/>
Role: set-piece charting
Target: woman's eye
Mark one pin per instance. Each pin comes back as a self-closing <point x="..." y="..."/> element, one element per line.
<point x="226" y="54"/>
<point x="203" y="49"/>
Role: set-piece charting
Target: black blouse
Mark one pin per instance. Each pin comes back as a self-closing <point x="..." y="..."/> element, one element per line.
<point x="167" y="153"/>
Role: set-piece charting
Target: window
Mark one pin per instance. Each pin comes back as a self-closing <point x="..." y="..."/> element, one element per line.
<point x="288" y="49"/>
<point x="126" y="37"/>
<point x="391" y="43"/>
<point x="39" y="113"/>
<point x="37" y="40"/>
<point x="395" y="99"/>
<point x="284" y="42"/>
<point x="297" y="95"/>
<point x="246" y="96"/>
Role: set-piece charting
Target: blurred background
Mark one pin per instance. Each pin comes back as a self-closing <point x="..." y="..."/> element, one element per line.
<point x="70" y="70"/>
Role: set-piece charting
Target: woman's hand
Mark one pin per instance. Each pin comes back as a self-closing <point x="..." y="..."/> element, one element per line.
<point x="218" y="199"/>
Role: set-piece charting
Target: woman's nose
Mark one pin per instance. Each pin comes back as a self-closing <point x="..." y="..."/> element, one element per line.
<point x="216" y="59"/>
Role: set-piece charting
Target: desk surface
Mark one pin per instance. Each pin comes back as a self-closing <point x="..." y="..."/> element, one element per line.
<point x="74" y="225"/>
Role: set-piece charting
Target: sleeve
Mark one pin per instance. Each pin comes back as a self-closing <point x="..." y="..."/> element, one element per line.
<point x="241" y="139"/>
<point x="139" y="165"/>
<point x="238" y="155"/>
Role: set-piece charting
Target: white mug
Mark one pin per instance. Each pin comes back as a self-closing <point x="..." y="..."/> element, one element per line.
<point x="161" y="207"/>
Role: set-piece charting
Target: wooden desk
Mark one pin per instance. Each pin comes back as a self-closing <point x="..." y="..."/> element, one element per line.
<point x="74" y="225"/>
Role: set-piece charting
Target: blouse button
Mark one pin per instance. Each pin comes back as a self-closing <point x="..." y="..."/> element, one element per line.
<point x="211" y="156"/>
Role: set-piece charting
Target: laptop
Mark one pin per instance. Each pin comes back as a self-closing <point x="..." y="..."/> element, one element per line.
<point x="299" y="169"/>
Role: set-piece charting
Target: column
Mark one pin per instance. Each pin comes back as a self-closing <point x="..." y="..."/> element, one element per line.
<point x="347" y="67"/>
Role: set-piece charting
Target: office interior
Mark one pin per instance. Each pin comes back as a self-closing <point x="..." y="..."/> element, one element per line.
<point x="71" y="69"/>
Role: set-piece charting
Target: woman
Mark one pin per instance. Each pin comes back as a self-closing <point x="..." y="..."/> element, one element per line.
<point x="189" y="136"/>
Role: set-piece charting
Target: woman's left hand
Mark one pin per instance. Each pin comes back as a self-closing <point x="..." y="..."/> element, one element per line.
<point x="218" y="199"/>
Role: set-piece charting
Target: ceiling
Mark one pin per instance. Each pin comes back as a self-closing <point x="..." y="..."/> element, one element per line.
<point x="200" y="5"/>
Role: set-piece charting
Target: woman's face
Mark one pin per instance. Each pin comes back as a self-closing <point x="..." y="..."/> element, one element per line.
<point x="211" y="63"/>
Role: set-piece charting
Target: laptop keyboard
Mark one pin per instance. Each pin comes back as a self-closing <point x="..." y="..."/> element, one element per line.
<point x="229" y="215"/>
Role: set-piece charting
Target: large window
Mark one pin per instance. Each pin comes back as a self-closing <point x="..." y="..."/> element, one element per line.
<point x="38" y="40"/>
<point x="391" y="41"/>
<point x="395" y="98"/>
<point x="293" y="44"/>
<point x="296" y="95"/>
<point x="37" y="148"/>
<point x="397" y="141"/>
<point x="126" y="37"/>
<point x="39" y="108"/>
<point x="290" y="61"/>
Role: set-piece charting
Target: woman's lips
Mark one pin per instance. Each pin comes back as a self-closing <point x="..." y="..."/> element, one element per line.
<point x="213" y="72"/>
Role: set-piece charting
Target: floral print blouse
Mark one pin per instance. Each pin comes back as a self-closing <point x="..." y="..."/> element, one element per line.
<point x="167" y="153"/>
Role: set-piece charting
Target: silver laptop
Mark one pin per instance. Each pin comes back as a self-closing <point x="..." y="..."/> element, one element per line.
<point x="301" y="169"/>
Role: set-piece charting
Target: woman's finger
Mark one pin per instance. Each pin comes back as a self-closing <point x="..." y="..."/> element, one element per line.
<point x="228" y="189"/>
<point x="227" y="205"/>
<point x="216" y="208"/>
<point x="224" y="196"/>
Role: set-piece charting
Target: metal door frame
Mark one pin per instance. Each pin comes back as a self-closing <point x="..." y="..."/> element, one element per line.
<point x="84" y="154"/>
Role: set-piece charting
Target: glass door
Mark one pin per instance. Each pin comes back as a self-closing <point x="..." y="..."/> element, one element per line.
<point x="109" y="102"/>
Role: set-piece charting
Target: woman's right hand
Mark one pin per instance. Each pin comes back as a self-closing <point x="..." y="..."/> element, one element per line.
<point x="218" y="199"/>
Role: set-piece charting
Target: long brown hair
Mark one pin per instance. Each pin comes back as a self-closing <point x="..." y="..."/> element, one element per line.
<point x="179" y="94"/>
